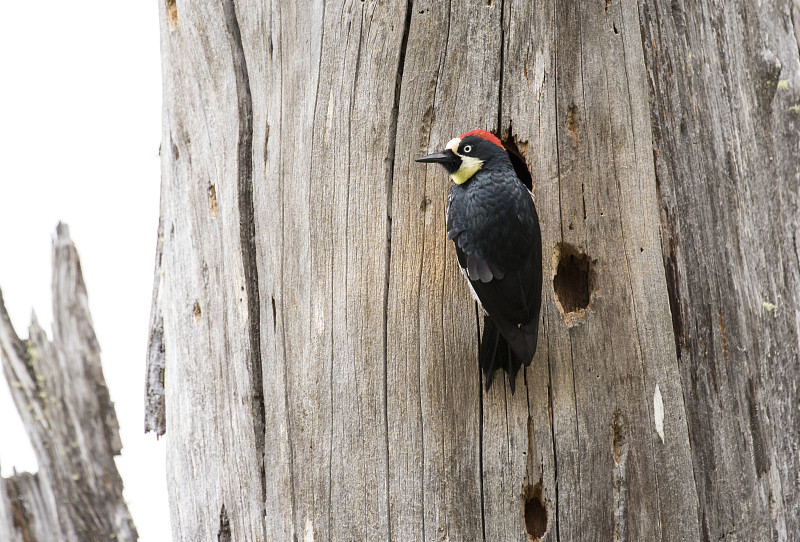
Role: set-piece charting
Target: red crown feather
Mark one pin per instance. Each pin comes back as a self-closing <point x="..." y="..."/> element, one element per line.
<point x="483" y="134"/>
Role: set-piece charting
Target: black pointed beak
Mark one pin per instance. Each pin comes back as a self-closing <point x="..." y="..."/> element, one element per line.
<point x="446" y="158"/>
<point x="438" y="157"/>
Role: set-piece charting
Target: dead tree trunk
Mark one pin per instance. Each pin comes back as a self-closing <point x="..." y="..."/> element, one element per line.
<point x="320" y="347"/>
<point x="61" y="394"/>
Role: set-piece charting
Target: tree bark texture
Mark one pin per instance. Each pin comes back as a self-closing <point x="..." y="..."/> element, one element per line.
<point x="60" y="392"/>
<point x="320" y="347"/>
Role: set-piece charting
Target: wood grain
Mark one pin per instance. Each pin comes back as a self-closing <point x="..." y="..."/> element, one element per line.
<point x="61" y="395"/>
<point x="322" y="380"/>
<point x="725" y="86"/>
<point x="212" y="382"/>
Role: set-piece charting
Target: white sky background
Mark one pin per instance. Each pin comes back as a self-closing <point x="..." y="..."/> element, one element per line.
<point x="80" y="126"/>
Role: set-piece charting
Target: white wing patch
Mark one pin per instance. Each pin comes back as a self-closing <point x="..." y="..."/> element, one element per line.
<point x="471" y="289"/>
<point x="463" y="271"/>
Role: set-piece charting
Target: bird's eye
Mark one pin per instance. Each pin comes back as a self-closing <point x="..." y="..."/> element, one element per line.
<point x="467" y="149"/>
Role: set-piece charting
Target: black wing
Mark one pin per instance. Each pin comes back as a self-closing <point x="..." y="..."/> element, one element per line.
<point x="512" y="305"/>
<point x="500" y="251"/>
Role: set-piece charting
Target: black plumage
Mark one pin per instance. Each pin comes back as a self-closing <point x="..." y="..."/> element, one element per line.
<point x="492" y="221"/>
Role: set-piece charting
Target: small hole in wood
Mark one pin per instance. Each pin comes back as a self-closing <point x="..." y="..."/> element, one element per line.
<point x="212" y="200"/>
<point x="197" y="312"/>
<point x="572" y="123"/>
<point x="574" y="279"/>
<point x="535" y="513"/>
<point x="172" y="14"/>
<point x="424" y="203"/>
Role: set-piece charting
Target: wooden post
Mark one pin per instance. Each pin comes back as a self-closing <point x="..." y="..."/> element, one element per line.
<point x="61" y="394"/>
<point x="320" y="347"/>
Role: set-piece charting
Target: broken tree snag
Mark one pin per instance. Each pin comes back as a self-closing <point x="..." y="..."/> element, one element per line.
<point x="60" y="392"/>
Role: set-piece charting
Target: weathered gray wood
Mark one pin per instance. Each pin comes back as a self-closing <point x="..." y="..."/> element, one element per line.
<point x="155" y="409"/>
<point x="29" y="514"/>
<point x="11" y="528"/>
<point x="725" y="88"/>
<point x="214" y="413"/>
<point x="59" y="390"/>
<point x="434" y="386"/>
<point x="313" y="312"/>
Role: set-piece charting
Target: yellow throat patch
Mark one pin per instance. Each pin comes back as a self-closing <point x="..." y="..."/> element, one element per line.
<point x="469" y="164"/>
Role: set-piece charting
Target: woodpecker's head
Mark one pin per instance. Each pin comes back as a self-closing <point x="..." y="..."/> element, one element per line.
<point x="466" y="155"/>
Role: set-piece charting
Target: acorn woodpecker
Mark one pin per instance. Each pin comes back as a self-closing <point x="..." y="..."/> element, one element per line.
<point x="493" y="223"/>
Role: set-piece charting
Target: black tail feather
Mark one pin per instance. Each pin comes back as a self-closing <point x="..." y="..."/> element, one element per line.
<point x="495" y="353"/>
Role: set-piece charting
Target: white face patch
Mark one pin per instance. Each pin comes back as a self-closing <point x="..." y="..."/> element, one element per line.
<point x="453" y="144"/>
<point x="469" y="164"/>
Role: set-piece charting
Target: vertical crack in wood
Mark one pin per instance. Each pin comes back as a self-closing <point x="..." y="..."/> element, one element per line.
<point x="502" y="56"/>
<point x="669" y="256"/>
<point x="623" y="236"/>
<point x="577" y="426"/>
<point x="795" y="19"/>
<point x="620" y="192"/>
<point x="480" y="425"/>
<point x="668" y="237"/>
<point x="419" y="371"/>
<point x="247" y="229"/>
<point x="556" y="126"/>
<point x="331" y="395"/>
<point x="556" y="517"/>
<point x="481" y="391"/>
<point x="281" y="195"/>
<point x="224" y="533"/>
<point x="619" y="450"/>
<point x="761" y="459"/>
<point x="389" y="191"/>
<point x="155" y="419"/>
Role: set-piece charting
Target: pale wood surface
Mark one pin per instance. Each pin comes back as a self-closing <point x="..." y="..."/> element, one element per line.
<point x="726" y="126"/>
<point x="60" y="392"/>
<point x="314" y="318"/>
